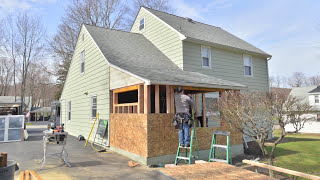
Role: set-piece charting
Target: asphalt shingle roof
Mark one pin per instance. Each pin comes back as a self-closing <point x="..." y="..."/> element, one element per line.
<point x="205" y="32"/>
<point x="134" y="53"/>
<point x="316" y="90"/>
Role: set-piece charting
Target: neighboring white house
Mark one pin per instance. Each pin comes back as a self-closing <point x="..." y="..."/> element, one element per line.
<point x="311" y="94"/>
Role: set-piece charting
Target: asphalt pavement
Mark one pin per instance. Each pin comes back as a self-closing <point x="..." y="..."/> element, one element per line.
<point x="86" y="163"/>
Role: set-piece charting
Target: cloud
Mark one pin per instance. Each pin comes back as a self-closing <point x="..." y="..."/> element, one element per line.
<point x="9" y="6"/>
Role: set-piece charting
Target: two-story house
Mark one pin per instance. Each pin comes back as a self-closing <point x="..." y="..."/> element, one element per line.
<point x="309" y="94"/>
<point x="130" y="79"/>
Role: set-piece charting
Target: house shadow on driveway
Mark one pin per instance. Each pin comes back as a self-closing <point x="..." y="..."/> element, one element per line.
<point x="86" y="163"/>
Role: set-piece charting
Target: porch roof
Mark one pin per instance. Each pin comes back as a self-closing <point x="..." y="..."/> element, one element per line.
<point x="134" y="54"/>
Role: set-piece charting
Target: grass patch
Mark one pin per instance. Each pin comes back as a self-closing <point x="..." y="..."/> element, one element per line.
<point x="29" y="124"/>
<point x="299" y="152"/>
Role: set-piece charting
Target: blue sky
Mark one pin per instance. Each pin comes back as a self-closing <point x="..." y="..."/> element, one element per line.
<point x="287" y="29"/>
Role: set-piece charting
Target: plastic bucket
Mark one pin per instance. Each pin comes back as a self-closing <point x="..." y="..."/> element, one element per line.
<point x="7" y="173"/>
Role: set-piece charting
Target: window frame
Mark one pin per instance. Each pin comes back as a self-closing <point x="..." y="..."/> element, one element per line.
<point x="316" y="99"/>
<point x="210" y="56"/>
<point x="244" y="66"/>
<point x="91" y="106"/>
<point x="82" y="61"/>
<point x="69" y="111"/>
<point x="144" y="24"/>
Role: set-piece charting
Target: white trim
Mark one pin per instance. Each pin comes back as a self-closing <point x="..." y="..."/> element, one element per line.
<point x="144" y="24"/>
<point x="210" y="56"/>
<point x="84" y="55"/>
<point x="92" y="96"/>
<point x="69" y="105"/>
<point x="318" y="98"/>
<point x="182" y="37"/>
<point x="244" y="69"/>
<point x="116" y="67"/>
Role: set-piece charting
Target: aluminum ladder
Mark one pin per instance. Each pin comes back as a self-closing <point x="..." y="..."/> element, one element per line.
<point x="212" y="156"/>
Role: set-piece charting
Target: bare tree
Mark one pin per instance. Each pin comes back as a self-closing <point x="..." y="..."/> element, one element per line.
<point x="30" y="42"/>
<point x="255" y="114"/>
<point x="6" y="75"/>
<point x="299" y="116"/>
<point x="314" y="80"/>
<point x="298" y="79"/>
<point x="11" y="48"/>
<point x="102" y="13"/>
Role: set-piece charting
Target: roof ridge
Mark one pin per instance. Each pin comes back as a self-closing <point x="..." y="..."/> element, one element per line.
<point x="182" y="17"/>
<point x="111" y="29"/>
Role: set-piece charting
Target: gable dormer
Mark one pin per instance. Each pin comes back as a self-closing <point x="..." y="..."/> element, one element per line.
<point x="162" y="35"/>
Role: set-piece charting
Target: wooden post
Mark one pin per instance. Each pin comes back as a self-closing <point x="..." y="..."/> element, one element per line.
<point x="204" y="110"/>
<point x="168" y="98"/>
<point x="157" y="98"/>
<point x="147" y="99"/>
<point x="140" y="99"/>
<point x="196" y="101"/>
<point x="4" y="159"/>
<point x="172" y="106"/>
<point x="111" y="102"/>
<point x="115" y="101"/>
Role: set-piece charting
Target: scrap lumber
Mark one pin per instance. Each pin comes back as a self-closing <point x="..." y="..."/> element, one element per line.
<point x="283" y="170"/>
<point x="27" y="175"/>
<point x="35" y="175"/>
<point x="132" y="164"/>
<point x="4" y="159"/>
<point x="21" y="175"/>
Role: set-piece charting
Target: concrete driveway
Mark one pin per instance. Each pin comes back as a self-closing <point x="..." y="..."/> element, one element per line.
<point x="86" y="163"/>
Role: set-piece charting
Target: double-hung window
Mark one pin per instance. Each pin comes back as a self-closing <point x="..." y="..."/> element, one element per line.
<point x="316" y="99"/>
<point x="206" y="56"/>
<point x="247" y="62"/>
<point x="141" y="24"/>
<point x="93" y="107"/>
<point x="82" y="62"/>
<point x="69" y="110"/>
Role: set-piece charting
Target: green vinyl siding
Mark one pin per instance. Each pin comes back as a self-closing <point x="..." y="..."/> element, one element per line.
<point x="226" y="65"/>
<point x="161" y="35"/>
<point x="94" y="81"/>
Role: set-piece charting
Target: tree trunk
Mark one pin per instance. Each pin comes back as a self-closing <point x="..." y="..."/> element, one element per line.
<point x="271" y="173"/>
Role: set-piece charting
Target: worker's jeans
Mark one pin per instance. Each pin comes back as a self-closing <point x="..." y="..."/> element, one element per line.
<point x="184" y="137"/>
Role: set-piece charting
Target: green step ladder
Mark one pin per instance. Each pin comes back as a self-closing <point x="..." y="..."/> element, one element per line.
<point x="212" y="156"/>
<point x="187" y="158"/>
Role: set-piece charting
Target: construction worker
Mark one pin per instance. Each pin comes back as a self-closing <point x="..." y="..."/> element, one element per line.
<point x="183" y="105"/>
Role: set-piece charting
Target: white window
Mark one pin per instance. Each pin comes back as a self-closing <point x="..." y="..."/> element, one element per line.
<point x="206" y="56"/>
<point x="247" y="62"/>
<point x="316" y="99"/>
<point x="141" y="24"/>
<point x="93" y="107"/>
<point x="69" y="110"/>
<point x="82" y="62"/>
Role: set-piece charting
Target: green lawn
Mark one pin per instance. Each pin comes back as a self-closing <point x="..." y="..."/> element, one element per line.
<point x="300" y="152"/>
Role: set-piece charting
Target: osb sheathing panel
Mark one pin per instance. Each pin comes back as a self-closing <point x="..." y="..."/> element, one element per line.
<point x="163" y="138"/>
<point x="129" y="132"/>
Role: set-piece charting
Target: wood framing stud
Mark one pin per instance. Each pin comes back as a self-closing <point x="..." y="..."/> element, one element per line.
<point x="168" y="98"/>
<point x="204" y="110"/>
<point x="157" y="98"/>
<point x="147" y="99"/>
<point x="172" y="100"/>
<point x="140" y="99"/>
<point x="126" y="89"/>
<point x="115" y="100"/>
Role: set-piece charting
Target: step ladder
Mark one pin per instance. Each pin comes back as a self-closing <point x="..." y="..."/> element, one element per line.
<point x="187" y="156"/>
<point x="212" y="156"/>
